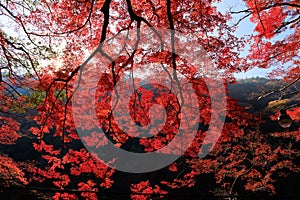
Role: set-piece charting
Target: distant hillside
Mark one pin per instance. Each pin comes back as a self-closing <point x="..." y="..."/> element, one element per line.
<point x="247" y="91"/>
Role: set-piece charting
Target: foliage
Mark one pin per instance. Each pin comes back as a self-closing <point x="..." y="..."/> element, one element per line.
<point x="10" y="173"/>
<point x="47" y="55"/>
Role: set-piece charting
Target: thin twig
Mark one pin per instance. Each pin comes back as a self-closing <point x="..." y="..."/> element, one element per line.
<point x="280" y="90"/>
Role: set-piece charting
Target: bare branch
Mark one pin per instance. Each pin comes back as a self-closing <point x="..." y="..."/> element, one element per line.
<point x="280" y="90"/>
<point x="256" y="8"/>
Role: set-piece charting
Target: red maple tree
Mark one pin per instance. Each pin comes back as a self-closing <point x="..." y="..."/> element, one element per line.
<point x="47" y="56"/>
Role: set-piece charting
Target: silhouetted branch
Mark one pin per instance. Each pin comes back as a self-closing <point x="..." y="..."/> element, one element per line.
<point x="280" y="90"/>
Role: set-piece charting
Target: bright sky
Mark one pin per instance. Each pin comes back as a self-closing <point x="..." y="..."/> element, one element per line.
<point x="245" y="28"/>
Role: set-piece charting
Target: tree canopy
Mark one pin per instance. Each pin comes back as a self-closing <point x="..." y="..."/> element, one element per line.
<point x="77" y="76"/>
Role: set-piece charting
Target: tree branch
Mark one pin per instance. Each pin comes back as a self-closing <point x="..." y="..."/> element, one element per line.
<point x="280" y="90"/>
